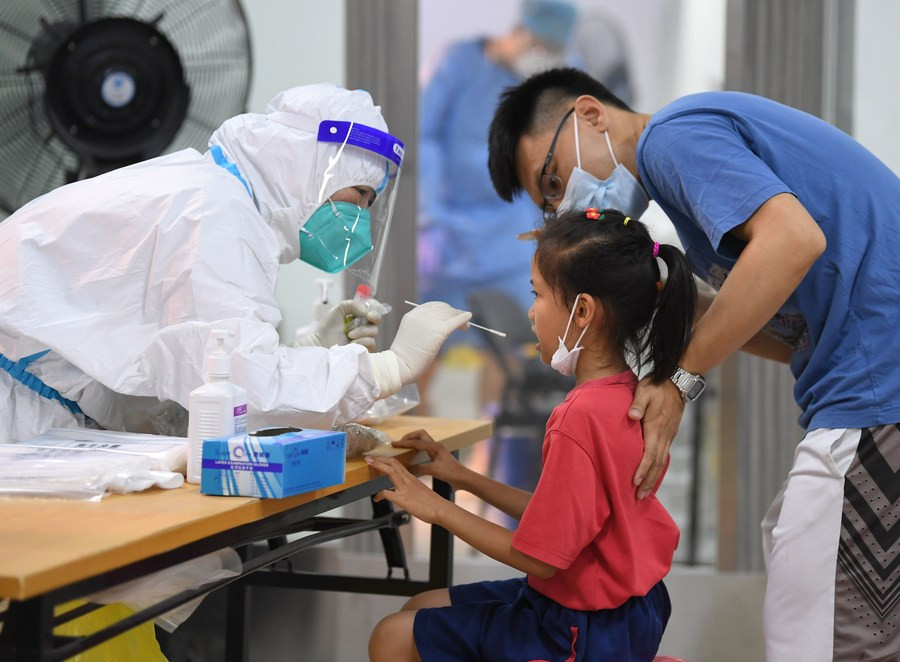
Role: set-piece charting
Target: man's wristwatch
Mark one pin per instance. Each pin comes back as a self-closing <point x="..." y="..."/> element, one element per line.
<point x="690" y="385"/>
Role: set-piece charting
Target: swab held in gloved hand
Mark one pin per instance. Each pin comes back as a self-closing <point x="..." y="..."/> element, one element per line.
<point x="477" y="326"/>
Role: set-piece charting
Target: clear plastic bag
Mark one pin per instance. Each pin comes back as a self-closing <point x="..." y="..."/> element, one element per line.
<point x="398" y="403"/>
<point x="361" y="439"/>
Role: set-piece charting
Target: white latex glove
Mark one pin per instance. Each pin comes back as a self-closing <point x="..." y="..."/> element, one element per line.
<point x="331" y="329"/>
<point x="422" y="332"/>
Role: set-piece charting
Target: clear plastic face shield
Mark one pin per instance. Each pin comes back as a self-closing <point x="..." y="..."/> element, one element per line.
<point x="349" y="228"/>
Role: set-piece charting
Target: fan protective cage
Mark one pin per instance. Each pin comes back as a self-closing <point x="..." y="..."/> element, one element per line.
<point x="87" y="85"/>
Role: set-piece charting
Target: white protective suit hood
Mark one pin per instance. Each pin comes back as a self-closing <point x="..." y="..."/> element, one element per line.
<point x="283" y="162"/>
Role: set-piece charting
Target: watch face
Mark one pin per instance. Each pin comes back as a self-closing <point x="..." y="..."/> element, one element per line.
<point x="695" y="389"/>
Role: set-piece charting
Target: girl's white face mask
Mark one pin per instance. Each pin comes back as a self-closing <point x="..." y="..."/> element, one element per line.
<point x="564" y="359"/>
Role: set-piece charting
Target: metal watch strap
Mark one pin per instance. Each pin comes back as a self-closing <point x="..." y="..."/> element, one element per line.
<point x="686" y="382"/>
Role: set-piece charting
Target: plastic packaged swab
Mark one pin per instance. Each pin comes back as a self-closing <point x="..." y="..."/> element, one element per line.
<point x="477" y="326"/>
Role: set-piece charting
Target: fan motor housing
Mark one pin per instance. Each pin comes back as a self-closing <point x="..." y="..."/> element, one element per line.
<point x="116" y="92"/>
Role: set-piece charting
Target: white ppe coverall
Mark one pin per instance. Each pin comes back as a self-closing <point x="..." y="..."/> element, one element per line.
<point x="123" y="276"/>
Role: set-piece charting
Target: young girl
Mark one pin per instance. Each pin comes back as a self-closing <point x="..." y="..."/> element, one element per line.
<point x="593" y="554"/>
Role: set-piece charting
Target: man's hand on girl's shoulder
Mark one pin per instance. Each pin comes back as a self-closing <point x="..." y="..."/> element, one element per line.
<point x="659" y="407"/>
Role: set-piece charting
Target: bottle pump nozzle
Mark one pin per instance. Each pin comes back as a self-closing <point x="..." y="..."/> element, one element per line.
<point x="219" y="362"/>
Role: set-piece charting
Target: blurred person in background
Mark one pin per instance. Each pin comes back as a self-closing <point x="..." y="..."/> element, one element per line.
<point x="467" y="234"/>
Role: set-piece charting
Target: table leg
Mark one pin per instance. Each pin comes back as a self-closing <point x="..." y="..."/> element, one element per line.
<point x="27" y="633"/>
<point x="440" y="563"/>
<point x="237" y="617"/>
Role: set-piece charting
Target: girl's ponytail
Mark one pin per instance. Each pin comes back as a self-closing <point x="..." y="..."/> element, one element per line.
<point x="670" y="330"/>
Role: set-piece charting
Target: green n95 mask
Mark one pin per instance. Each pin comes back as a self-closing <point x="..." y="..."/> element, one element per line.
<point x="335" y="236"/>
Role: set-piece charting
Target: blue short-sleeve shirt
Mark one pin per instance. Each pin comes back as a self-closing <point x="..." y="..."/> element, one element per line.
<point x="710" y="160"/>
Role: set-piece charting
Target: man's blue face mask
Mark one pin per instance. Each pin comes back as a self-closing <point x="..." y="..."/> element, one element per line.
<point x="620" y="191"/>
<point x="335" y="236"/>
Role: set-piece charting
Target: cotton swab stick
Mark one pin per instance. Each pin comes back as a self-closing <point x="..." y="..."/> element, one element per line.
<point x="477" y="326"/>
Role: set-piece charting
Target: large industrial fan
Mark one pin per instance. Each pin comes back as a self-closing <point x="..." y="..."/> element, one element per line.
<point x="91" y="85"/>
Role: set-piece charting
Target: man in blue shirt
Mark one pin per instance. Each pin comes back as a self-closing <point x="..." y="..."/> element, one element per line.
<point x="793" y="223"/>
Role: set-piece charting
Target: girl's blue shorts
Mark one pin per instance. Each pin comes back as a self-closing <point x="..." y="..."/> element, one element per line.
<point x="508" y="620"/>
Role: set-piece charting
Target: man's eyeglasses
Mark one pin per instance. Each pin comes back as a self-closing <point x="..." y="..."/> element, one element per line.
<point x="551" y="184"/>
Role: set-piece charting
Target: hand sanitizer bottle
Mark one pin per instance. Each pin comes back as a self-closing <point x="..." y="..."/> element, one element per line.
<point x="216" y="409"/>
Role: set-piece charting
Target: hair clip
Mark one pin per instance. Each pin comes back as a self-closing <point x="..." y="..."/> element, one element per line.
<point x="593" y="213"/>
<point x="659" y="287"/>
<point x="627" y="218"/>
<point x="531" y="235"/>
<point x="655" y="249"/>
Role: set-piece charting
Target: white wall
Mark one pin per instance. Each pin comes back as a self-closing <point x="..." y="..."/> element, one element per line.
<point x="876" y="89"/>
<point x="294" y="43"/>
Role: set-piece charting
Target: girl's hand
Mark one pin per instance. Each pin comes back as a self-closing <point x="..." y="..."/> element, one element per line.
<point x="409" y="493"/>
<point x="443" y="465"/>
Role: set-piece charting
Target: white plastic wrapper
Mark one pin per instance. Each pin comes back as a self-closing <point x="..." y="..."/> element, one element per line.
<point x="147" y="591"/>
<point x="86" y="464"/>
<point x="164" y="453"/>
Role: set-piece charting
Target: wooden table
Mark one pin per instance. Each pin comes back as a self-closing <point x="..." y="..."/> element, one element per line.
<point x="52" y="551"/>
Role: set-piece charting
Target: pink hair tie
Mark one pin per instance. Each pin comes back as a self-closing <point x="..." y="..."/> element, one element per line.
<point x="655" y="249"/>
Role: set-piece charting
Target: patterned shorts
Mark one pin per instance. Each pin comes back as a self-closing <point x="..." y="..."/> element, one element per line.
<point x="834" y="557"/>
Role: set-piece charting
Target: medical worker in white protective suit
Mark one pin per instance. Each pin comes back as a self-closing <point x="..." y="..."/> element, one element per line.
<point x="109" y="287"/>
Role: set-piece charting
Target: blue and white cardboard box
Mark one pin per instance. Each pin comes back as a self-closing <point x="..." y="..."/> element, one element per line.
<point x="273" y="466"/>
